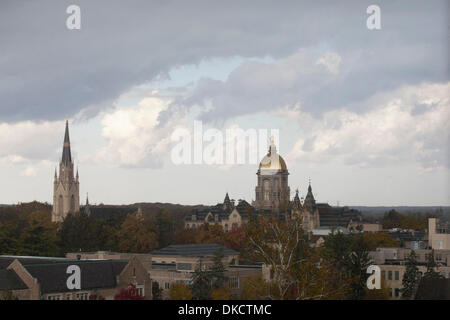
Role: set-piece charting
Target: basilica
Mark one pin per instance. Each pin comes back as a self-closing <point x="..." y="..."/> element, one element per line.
<point x="272" y="194"/>
<point x="66" y="185"/>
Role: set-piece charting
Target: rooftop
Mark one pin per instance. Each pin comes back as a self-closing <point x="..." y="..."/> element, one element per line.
<point x="193" y="250"/>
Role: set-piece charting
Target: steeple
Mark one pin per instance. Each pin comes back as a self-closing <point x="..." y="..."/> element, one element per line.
<point x="297" y="204"/>
<point x="66" y="198"/>
<point x="227" y="203"/>
<point x="66" y="155"/>
<point x="310" y="202"/>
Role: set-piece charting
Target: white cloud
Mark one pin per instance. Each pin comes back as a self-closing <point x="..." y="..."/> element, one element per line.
<point x="331" y="61"/>
<point x="135" y="136"/>
<point x="27" y="140"/>
<point x="407" y="125"/>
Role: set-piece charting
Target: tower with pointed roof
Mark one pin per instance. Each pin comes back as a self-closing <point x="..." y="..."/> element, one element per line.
<point x="66" y="185"/>
<point x="272" y="190"/>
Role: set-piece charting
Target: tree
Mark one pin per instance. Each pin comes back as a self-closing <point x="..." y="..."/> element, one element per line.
<point x="297" y="271"/>
<point x="220" y="293"/>
<point x="411" y="277"/>
<point x="179" y="291"/>
<point x="156" y="291"/>
<point x="7" y="294"/>
<point x="217" y="272"/>
<point x="129" y="293"/>
<point x="377" y="294"/>
<point x="376" y="240"/>
<point x="359" y="262"/>
<point x="254" y="288"/>
<point x="79" y="232"/>
<point x="166" y="228"/>
<point x="39" y="238"/>
<point x="201" y="283"/>
<point x="350" y="256"/>
<point x="431" y="265"/>
<point x="275" y="241"/>
<point x="137" y="234"/>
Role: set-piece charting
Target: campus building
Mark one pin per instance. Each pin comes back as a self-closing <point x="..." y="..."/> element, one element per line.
<point x="40" y="278"/>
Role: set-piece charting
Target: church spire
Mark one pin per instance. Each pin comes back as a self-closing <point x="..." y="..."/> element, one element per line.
<point x="66" y="155"/>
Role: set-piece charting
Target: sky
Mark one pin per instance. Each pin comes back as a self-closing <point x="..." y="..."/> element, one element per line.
<point x="364" y="114"/>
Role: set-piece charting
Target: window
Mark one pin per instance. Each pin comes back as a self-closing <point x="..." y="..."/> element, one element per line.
<point x="54" y="297"/>
<point x="397" y="292"/>
<point x="383" y="275"/>
<point x="234" y="282"/>
<point x="185" y="266"/>
<point x="389" y="275"/>
<point x="140" y="290"/>
<point x="82" y="296"/>
<point x="166" y="285"/>
<point x="397" y="275"/>
<point x="390" y="292"/>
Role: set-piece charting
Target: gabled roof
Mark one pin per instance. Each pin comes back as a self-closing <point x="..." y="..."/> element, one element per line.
<point x="193" y="250"/>
<point x="9" y="280"/>
<point x="5" y="261"/>
<point x="94" y="274"/>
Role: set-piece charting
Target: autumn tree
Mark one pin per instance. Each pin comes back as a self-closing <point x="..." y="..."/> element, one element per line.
<point x="179" y="291"/>
<point x="39" y="238"/>
<point x="376" y="240"/>
<point x="129" y="293"/>
<point x="274" y="241"/>
<point x="255" y="288"/>
<point x="137" y="234"/>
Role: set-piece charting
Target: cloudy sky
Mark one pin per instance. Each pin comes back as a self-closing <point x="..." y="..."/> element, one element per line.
<point x="364" y="114"/>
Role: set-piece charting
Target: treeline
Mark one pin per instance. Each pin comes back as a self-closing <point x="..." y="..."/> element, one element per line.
<point x="26" y="229"/>
<point x="393" y="219"/>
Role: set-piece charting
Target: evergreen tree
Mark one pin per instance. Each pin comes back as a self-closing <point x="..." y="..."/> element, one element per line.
<point x="431" y="265"/>
<point x="411" y="277"/>
<point x="217" y="272"/>
<point x="156" y="291"/>
<point x="358" y="263"/>
<point x="201" y="284"/>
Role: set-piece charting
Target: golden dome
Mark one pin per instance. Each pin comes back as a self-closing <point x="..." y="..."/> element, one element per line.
<point x="272" y="161"/>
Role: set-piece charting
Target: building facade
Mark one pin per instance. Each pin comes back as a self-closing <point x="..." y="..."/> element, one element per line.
<point x="66" y="185"/>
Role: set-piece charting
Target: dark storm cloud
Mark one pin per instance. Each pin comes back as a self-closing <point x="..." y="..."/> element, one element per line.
<point x="47" y="71"/>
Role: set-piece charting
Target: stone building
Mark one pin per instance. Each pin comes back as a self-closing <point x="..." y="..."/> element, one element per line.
<point x="392" y="262"/>
<point x="272" y="189"/>
<point x="226" y="214"/>
<point x="176" y="263"/>
<point x="272" y="196"/>
<point x="66" y="185"/>
<point x="41" y="278"/>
